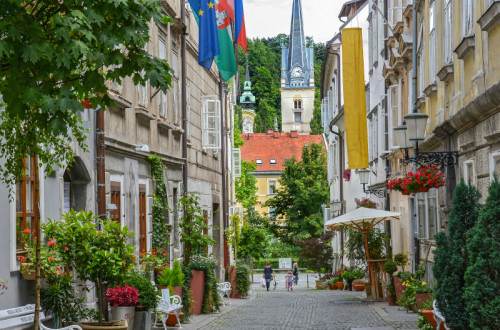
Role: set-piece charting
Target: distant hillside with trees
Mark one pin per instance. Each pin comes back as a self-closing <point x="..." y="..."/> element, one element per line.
<point x="264" y="66"/>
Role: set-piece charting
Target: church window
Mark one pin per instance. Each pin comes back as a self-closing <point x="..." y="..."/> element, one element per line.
<point x="298" y="117"/>
<point x="297" y="104"/>
<point x="494" y="164"/>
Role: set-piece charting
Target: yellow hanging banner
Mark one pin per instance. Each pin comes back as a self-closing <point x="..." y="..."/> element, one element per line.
<point x="354" y="98"/>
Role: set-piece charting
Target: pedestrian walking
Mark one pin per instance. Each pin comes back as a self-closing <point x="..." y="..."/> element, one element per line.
<point x="296" y="272"/>
<point x="268" y="274"/>
<point x="289" y="280"/>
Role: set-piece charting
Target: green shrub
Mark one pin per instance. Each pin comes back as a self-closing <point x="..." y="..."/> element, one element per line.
<point x="401" y="259"/>
<point x="242" y="280"/>
<point x="176" y="275"/>
<point x="148" y="298"/>
<point x="390" y="267"/>
<point x="482" y="278"/>
<point x="261" y="264"/>
<point x="165" y="278"/>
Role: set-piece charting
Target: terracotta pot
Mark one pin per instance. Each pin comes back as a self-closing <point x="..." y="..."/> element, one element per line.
<point x="29" y="272"/>
<point x="340" y="285"/>
<point x="429" y="316"/>
<point x="332" y="286"/>
<point x="399" y="287"/>
<point x="390" y="300"/>
<point x="115" y="325"/>
<point x="178" y="291"/>
<point x="172" y="320"/>
<point x="423" y="189"/>
<point x="421" y="298"/>
<point x="404" y="192"/>
<point x="319" y="284"/>
<point x="197" y="285"/>
<point x="232" y="276"/>
<point x="358" y="287"/>
<point x="123" y="313"/>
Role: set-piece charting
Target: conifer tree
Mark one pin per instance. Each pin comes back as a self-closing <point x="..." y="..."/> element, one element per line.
<point x="451" y="256"/>
<point x="482" y="278"/>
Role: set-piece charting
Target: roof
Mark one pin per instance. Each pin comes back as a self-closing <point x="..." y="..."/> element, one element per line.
<point x="265" y="146"/>
<point x="346" y="10"/>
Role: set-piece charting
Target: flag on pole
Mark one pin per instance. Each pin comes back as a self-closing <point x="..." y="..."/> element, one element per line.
<point x="226" y="61"/>
<point x="239" y="23"/>
<point x="205" y="14"/>
<point x="354" y="98"/>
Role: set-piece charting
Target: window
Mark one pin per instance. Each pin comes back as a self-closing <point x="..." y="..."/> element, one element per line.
<point x="432" y="43"/>
<point x="384" y="122"/>
<point x="448" y="32"/>
<point x="175" y="86"/>
<point x="470" y="172"/>
<point x="494" y="164"/>
<point x="163" y="96"/>
<point x="142" y="93"/>
<point x="427" y="214"/>
<point x="115" y="215"/>
<point x="236" y="163"/>
<point x="188" y="110"/>
<point x="297" y="104"/>
<point x="297" y="117"/>
<point x="26" y="199"/>
<point x="272" y="161"/>
<point x="272" y="187"/>
<point x="395" y="12"/>
<point x="421" y="59"/>
<point x="211" y="122"/>
<point x="258" y="161"/>
<point x="371" y="37"/>
<point x="272" y="213"/>
<point x="205" y="230"/>
<point x="468" y="18"/>
<point x="394" y="106"/>
<point x="143" y="234"/>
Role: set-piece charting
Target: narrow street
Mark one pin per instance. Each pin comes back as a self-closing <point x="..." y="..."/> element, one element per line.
<point x="305" y="308"/>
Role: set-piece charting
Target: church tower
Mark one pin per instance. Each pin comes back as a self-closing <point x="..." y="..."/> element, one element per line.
<point x="247" y="101"/>
<point x="297" y="77"/>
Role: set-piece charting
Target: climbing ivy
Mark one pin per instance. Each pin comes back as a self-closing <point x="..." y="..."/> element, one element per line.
<point x="160" y="204"/>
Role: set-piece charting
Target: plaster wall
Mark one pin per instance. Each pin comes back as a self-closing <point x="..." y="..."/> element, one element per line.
<point x="287" y="109"/>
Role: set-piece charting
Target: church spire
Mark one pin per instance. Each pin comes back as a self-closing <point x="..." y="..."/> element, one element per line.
<point x="247" y="99"/>
<point x="247" y="74"/>
<point x="297" y="54"/>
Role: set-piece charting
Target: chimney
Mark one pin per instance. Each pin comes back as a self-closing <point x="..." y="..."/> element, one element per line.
<point x="269" y="131"/>
<point x="294" y="134"/>
<point x="276" y="134"/>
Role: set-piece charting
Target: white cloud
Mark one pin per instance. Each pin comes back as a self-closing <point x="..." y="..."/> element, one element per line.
<point x="268" y="18"/>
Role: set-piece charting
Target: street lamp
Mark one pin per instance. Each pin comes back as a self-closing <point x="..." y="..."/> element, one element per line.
<point x="364" y="176"/>
<point x="336" y="207"/>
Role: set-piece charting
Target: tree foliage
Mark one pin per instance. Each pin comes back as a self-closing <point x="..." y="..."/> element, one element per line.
<point x="246" y="186"/>
<point x="317" y="253"/>
<point x="265" y="117"/>
<point x="451" y="256"/>
<point x="355" y="248"/>
<point x="254" y="236"/>
<point x="54" y="54"/>
<point x="303" y="188"/>
<point x="482" y="278"/>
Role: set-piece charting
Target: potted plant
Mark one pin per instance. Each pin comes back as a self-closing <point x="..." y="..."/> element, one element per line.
<point x="199" y="265"/>
<point x="148" y="299"/>
<point x="50" y="261"/>
<point x="96" y="249"/>
<point x="347" y="175"/>
<point x="401" y="260"/>
<point x="123" y="301"/>
<point x="390" y="268"/>
<point x="331" y="283"/>
<point x="154" y="259"/>
<point x="177" y="278"/>
<point x="422" y="293"/>
<point x="242" y="280"/>
<point x="164" y="279"/>
<point x="367" y="203"/>
<point x="358" y="285"/>
<point x="350" y="275"/>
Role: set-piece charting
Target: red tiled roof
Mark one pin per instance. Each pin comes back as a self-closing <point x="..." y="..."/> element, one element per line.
<point x="265" y="146"/>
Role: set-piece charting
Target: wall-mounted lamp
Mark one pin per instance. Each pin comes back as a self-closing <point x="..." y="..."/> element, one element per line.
<point x="143" y="148"/>
<point x="364" y="176"/>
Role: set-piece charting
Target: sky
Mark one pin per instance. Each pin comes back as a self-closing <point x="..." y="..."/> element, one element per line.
<point x="268" y="18"/>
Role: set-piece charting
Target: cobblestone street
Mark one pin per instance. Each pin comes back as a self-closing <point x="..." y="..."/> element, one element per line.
<point x="306" y="308"/>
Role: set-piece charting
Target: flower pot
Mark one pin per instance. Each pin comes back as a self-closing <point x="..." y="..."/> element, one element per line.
<point x="232" y="277"/>
<point x="123" y="313"/>
<point x="178" y="290"/>
<point x="332" y="286"/>
<point x="358" y="287"/>
<point x="423" y="189"/>
<point x="115" y="325"/>
<point x="172" y="320"/>
<point x="340" y="285"/>
<point x="319" y="284"/>
<point x="399" y="287"/>
<point x="405" y="192"/>
<point x="142" y="320"/>
<point x="391" y="301"/>
<point x="29" y="272"/>
<point x="197" y="285"/>
<point x="420" y="298"/>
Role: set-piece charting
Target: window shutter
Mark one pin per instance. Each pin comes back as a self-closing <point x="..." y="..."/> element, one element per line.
<point x="211" y="137"/>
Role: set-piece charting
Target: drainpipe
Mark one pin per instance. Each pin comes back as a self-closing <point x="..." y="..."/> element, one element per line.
<point x="183" y="100"/>
<point x="223" y="159"/>
<point x="413" y="217"/>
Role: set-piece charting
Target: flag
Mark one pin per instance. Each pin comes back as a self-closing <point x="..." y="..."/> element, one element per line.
<point x="208" y="48"/>
<point x="239" y="23"/>
<point x="234" y="9"/>
<point x="226" y="61"/>
<point x="354" y="98"/>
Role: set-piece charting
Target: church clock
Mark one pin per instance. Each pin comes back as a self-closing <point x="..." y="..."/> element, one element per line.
<point x="297" y="71"/>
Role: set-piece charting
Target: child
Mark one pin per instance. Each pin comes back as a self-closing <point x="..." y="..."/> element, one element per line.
<point x="289" y="280"/>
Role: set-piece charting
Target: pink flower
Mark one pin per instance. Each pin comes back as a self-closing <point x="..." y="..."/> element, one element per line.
<point x="51" y="259"/>
<point x="66" y="248"/>
<point x="27" y="231"/>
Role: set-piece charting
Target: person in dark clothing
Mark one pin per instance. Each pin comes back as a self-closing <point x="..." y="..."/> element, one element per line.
<point x="296" y="272"/>
<point x="268" y="274"/>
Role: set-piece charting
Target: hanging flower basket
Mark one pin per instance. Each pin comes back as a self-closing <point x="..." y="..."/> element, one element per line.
<point x="421" y="181"/>
<point x="347" y="175"/>
<point x="367" y="203"/>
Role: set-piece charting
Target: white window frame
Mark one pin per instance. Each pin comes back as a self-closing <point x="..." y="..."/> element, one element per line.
<point x="394" y="110"/>
<point x="270" y="183"/>
<point x="142" y="92"/>
<point x="467" y="178"/>
<point x="188" y="110"/>
<point x="467" y="18"/>
<point x="493" y="157"/>
<point x="236" y="157"/>
<point x="385" y="128"/>
<point x="395" y="10"/>
<point x="432" y="42"/>
<point x="162" y="55"/>
<point x="421" y="59"/>
<point x="425" y="232"/>
<point x="211" y="131"/>
<point x="448" y="32"/>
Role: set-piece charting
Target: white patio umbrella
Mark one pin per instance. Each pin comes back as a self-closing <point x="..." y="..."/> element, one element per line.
<point x="363" y="219"/>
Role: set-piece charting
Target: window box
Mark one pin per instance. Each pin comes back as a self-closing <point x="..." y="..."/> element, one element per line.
<point x="491" y="17"/>
<point x="465" y="47"/>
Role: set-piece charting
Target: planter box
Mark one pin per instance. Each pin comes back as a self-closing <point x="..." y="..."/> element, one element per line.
<point x="390" y="300"/>
<point x="232" y="279"/>
<point x="429" y="316"/>
<point x="421" y="298"/>
<point x="29" y="272"/>
<point x="197" y="286"/>
<point x="399" y="287"/>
